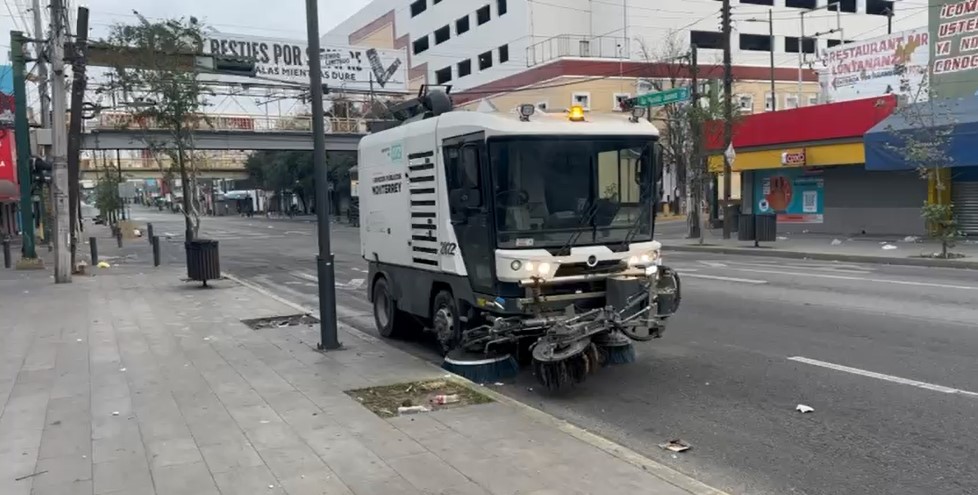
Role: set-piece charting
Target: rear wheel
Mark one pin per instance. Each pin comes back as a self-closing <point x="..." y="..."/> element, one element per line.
<point x="445" y="321"/>
<point x="391" y="322"/>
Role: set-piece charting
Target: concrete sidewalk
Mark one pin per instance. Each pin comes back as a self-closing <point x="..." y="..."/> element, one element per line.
<point x="131" y="382"/>
<point x="910" y="251"/>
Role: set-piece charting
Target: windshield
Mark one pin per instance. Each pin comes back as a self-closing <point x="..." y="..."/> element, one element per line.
<point x="557" y="191"/>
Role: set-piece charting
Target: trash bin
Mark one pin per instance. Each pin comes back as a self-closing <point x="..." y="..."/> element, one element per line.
<point x="766" y="228"/>
<point x="203" y="260"/>
<point x="734" y="211"/>
<point x="745" y="227"/>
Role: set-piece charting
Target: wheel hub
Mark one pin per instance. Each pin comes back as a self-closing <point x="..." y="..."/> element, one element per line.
<point x="444" y="323"/>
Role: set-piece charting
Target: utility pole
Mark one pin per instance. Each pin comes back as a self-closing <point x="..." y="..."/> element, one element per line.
<point x="59" y="148"/>
<point x="80" y="50"/>
<point x="324" y="260"/>
<point x="770" y="27"/>
<point x="889" y="20"/>
<point x="23" y="144"/>
<point x="727" y="117"/>
<point x="42" y="72"/>
<point x="694" y="180"/>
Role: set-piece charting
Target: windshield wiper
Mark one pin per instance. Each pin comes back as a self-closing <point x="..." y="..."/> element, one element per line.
<point x="591" y="211"/>
<point x="633" y="229"/>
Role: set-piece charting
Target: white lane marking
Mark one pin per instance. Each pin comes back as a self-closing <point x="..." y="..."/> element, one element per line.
<point x="714" y="264"/>
<point x="725" y="279"/>
<point x="352" y="284"/>
<point x="881" y="376"/>
<point x="862" y="279"/>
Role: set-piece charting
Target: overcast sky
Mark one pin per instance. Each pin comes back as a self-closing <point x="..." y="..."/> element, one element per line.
<point x="273" y="18"/>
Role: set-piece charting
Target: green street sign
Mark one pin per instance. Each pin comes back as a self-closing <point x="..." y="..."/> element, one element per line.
<point x="660" y="98"/>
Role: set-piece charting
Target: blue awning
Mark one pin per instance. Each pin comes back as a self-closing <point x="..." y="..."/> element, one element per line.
<point x="953" y="120"/>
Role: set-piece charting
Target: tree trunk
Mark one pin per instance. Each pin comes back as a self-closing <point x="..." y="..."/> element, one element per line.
<point x="185" y="186"/>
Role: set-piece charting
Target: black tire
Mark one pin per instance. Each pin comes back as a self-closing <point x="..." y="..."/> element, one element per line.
<point x="391" y="322"/>
<point x="445" y="321"/>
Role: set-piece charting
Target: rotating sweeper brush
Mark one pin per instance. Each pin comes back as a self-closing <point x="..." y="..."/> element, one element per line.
<point x="567" y="348"/>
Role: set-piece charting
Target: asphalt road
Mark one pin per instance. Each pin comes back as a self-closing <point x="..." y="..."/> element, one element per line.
<point x="884" y="354"/>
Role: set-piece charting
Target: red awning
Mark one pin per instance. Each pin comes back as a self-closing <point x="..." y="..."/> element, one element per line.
<point x="832" y="121"/>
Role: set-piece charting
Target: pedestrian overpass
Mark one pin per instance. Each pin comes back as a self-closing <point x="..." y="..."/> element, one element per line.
<point x="120" y="131"/>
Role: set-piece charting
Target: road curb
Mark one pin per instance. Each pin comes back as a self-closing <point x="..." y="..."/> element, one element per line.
<point x="616" y="450"/>
<point x="852" y="258"/>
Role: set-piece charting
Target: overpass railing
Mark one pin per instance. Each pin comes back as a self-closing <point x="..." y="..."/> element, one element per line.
<point x="252" y="123"/>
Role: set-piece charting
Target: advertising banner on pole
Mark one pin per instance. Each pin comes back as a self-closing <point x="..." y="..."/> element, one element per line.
<point x="954" y="29"/>
<point x="875" y="67"/>
<point x="795" y="195"/>
<point x="344" y="67"/>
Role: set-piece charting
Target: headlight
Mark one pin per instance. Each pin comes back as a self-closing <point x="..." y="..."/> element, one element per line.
<point x="515" y="265"/>
<point x="645" y="259"/>
<point x="544" y="268"/>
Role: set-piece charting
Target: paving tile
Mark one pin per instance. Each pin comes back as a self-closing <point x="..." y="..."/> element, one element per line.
<point x="167" y="452"/>
<point x="431" y="474"/>
<point x="249" y="417"/>
<point x="72" y="488"/>
<point x="122" y="475"/>
<point x="230" y="456"/>
<point x="292" y="461"/>
<point x="125" y="445"/>
<point x="248" y="481"/>
<point x="273" y="435"/>
<point x="185" y="479"/>
<point x="321" y="483"/>
<point x="73" y="438"/>
<point x="61" y="471"/>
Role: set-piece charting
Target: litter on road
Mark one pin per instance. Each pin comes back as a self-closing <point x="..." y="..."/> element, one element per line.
<point x="676" y="445"/>
<point x="802" y="408"/>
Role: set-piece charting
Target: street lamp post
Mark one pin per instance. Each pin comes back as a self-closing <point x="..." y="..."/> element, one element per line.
<point x="801" y="41"/>
<point x="324" y="260"/>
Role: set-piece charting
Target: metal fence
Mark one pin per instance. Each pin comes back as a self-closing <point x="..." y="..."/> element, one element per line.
<point x="577" y="46"/>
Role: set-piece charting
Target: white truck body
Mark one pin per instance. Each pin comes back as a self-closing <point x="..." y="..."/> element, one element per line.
<point x="406" y="225"/>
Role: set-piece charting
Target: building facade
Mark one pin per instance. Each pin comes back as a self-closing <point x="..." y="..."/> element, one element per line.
<point x="473" y="43"/>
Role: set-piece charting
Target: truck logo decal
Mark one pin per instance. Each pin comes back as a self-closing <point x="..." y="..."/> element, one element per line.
<point x="387" y="184"/>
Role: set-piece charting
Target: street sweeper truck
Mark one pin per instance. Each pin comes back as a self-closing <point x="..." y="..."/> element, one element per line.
<point x="523" y="236"/>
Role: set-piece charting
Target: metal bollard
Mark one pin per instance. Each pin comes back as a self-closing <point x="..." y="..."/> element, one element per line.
<point x="149" y="232"/>
<point x="155" y="240"/>
<point x="6" y="253"/>
<point x="93" y="245"/>
<point x="118" y="237"/>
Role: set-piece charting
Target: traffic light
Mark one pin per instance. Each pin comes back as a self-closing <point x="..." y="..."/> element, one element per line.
<point x="235" y="66"/>
<point x="40" y="172"/>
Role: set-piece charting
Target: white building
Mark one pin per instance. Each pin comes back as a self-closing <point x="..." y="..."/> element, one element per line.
<point x="472" y="44"/>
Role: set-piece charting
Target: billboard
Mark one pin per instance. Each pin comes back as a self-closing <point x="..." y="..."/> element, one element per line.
<point x="795" y="195"/>
<point x="954" y="29"/>
<point x="874" y="67"/>
<point x="346" y="67"/>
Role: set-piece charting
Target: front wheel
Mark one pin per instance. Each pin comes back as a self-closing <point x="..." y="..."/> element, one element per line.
<point x="391" y="322"/>
<point x="444" y="315"/>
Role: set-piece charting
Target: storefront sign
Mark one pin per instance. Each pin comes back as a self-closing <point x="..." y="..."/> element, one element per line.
<point x="954" y="29"/>
<point x="344" y="67"/>
<point x="793" y="158"/>
<point x="8" y="167"/>
<point x="875" y="67"/>
<point x="795" y="195"/>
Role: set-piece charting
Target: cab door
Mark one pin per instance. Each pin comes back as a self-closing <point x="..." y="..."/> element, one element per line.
<point x="467" y="178"/>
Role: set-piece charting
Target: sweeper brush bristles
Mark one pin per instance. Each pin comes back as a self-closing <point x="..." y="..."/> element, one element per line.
<point x="481" y="369"/>
<point x="557" y="375"/>
<point x="619" y="354"/>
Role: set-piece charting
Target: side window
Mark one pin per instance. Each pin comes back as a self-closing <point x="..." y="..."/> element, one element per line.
<point x="451" y="168"/>
<point x="469" y="167"/>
